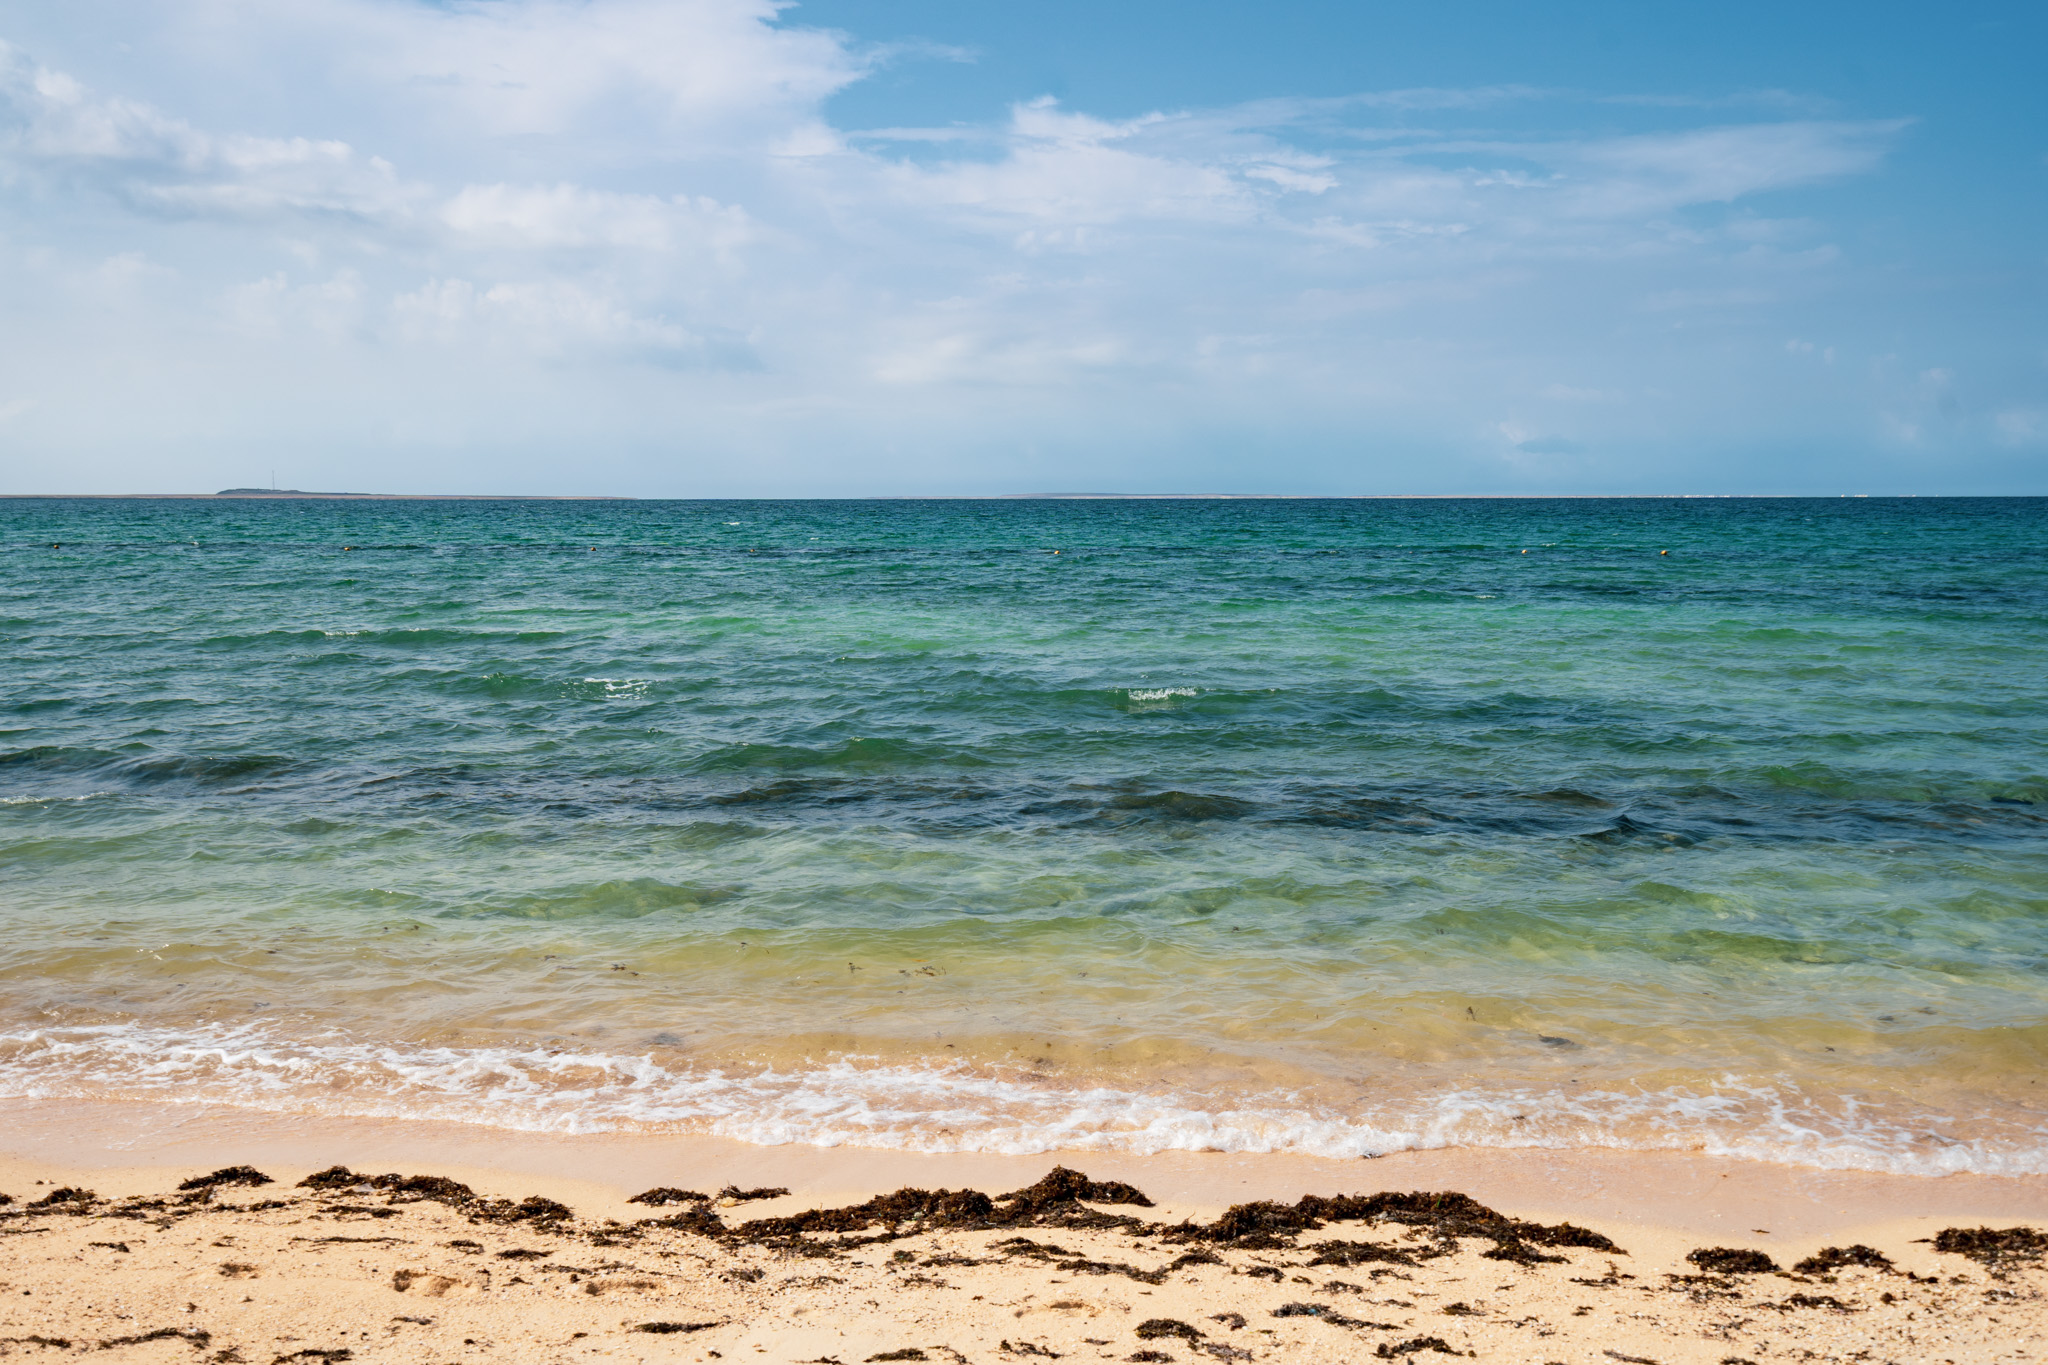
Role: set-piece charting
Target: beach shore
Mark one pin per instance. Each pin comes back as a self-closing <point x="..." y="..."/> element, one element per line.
<point x="528" y="1249"/>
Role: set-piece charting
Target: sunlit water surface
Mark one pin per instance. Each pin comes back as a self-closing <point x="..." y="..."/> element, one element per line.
<point x="1338" y="827"/>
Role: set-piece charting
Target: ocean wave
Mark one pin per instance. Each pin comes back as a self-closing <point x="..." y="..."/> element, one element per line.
<point x="957" y="1107"/>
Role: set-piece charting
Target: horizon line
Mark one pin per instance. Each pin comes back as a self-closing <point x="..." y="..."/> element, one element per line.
<point x="296" y="495"/>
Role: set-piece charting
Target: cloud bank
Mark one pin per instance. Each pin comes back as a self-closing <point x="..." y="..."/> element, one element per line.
<point x="620" y="246"/>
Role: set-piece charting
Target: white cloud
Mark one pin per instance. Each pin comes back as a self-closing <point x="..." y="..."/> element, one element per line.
<point x="526" y="212"/>
<point x="566" y="215"/>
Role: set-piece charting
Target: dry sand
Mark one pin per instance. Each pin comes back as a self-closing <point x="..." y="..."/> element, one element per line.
<point x="367" y="1270"/>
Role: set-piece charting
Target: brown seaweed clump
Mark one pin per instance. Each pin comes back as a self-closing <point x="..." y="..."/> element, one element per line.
<point x="1731" y="1261"/>
<point x="1447" y="1216"/>
<point x="1992" y="1246"/>
<point x="228" y="1175"/>
<point x="1151" y="1329"/>
<point x="412" y="1189"/>
<point x="1055" y="1201"/>
<point x="668" y="1194"/>
<point x="1830" y="1259"/>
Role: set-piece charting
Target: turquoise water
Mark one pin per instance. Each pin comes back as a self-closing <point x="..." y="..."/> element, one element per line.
<point x="1338" y="826"/>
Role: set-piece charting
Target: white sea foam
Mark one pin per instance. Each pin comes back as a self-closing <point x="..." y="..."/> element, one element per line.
<point x="1158" y="693"/>
<point x="954" y="1107"/>
<point x="623" y="687"/>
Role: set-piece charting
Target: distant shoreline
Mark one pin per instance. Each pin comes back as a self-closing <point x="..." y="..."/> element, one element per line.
<point x="289" y="495"/>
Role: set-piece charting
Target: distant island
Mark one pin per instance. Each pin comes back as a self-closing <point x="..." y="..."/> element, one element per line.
<point x="343" y="497"/>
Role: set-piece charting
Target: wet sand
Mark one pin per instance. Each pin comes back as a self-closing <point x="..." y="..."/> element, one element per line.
<point x="528" y="1249"/>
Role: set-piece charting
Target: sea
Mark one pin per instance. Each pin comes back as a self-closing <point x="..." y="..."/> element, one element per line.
<point x="1335" y="827"/>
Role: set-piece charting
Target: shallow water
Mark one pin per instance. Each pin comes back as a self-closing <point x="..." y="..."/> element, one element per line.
<point x="1331" y="826"/>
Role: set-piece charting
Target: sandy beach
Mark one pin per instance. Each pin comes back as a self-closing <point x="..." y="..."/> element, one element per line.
<point x="131" y="1229"/>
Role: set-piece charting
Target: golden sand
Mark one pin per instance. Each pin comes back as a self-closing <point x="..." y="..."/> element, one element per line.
<point x="536" y="1261"/>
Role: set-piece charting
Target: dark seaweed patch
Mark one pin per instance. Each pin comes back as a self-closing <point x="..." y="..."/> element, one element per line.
<point x="1448" y="1216"/>
<point x="1325" y="1313"/>
<point x="192" y="1336"/>
<point x="1359" y="1253"/>
<point x="1829" y="1259"/>
<point x="1151" y="1329"/>
<point x="668" y="1194"/>
<point x="663" y="1329"/>
<point x="1992" y="1246"/>
<point x="907" y="1353"/>
<point x="740" y="1196"/>
<point x="228" y="1175"/>
<point x="1390" y="1351"/>
<point x="532" y="1209"/>
<point x="1062" y="1186"/>
<point x="65" y="1194"/>
<point x="1731" y="1261"/>
<point x="435" y="1187"/>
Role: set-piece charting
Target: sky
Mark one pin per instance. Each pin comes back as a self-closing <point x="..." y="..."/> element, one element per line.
<point x="708" y="248"/>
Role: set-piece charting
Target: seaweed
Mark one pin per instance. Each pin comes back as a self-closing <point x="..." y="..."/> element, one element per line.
<point x="1813" y="1301"/>
<point x="1231" y="1320"/>
<point x="438" y="1188"/>
<point x="1325" y="1313"/>
<point x="1992" y="1246"/>
<point x="228" y="1175"/>
<point x="1447" y="1215"/>
<point x="193" y="1336"/>
<point x="1829" y="1259"/>
<point x="907" y="1353"/>
<point x="1151" y="1329"/>
<point x="1063" y="1186"/>
<point x="668" y="1194"/>
<point x="663" y="1329"/>
<point x="1359" y="1253"/>
<point x="64" y="1194"/>
<point x="1413" y="1345"/>
<point x="1024" y="1246"/>
<point x="1731" y="1261"/>
<point x="740" y="1196"/>
<point x="1150" y="1357"/>
<point x="330" y="1356"/>
<point x="532" y="1209"/>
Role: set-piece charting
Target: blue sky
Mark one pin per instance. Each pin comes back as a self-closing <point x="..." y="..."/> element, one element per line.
<point x="720" y="247"/>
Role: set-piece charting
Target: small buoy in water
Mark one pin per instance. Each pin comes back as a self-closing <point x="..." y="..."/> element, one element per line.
<point x="593" y="549"/>
<point x="1055" y="551"/>
<point x="55" y="546"/>
<point x="1663" y="552"/>
<point x="1525" y="552"/>
<point x="348" y="547"/>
